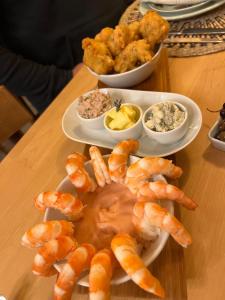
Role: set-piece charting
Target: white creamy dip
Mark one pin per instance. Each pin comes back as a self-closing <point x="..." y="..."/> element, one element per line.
<point x="164" y="116"/>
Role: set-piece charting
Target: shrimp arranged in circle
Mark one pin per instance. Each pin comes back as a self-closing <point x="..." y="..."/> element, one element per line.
<point x="139" y="216"/>
<point x="118" y="159"/>
<point x="77" y="173"/>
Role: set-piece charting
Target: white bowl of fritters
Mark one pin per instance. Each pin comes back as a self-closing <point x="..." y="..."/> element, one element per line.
<point x="149" y="253"/>
<point x="132" y="77"/>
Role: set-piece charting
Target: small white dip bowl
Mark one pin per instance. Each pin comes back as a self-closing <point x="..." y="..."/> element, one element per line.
<point x="93" y="123"/>
<point x="133" y="132"/>
<point x="171" y="136"/>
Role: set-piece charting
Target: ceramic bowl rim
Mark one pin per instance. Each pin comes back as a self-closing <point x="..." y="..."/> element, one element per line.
<point x="170" y="131"/>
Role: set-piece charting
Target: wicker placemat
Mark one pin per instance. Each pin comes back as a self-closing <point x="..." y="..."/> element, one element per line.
<point x="214" y="18"/>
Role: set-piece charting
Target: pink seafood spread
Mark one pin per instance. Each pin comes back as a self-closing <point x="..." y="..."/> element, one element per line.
<point x="109" y="211"/>
<point x="94" y="105"/>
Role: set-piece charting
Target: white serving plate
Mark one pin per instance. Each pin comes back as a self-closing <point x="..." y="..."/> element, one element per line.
<point x="173" y="8"/>
<point x="76" y="132"/>
<point x="148" y="255"/>
<point x="199" y="9"/>
<point x="215" y="142"/>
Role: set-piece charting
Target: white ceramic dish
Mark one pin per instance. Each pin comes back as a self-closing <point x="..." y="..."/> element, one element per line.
<point x="215" y="142"/>
<point x="172" y="136"/>
<point x="148" y="255"/>
<point x="94" y="123"/>
<point x="130" y="78"/>
<point x="133" y="132"/>
<point x="176" y="15"/>
<point x="173" y="8"/>
<point x="74" y="131"/>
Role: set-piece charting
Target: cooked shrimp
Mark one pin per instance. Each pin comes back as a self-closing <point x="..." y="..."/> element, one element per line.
<point x="145" y="168"/>
<point x="100" y="275"/>
<point x="78" y="261"/>
<point x="69" y="205"/>
<point x="46" y="231"/>
<point x="118" y="159"/>
<point x="77" y="173"/>
<point x="100" y="168"/>
<point x="51" y="252"/>
<point x="145" y="230"/>
<point x="153" y="214"/>
<point x="125" y="249"/>
<point x="162" y="191"/>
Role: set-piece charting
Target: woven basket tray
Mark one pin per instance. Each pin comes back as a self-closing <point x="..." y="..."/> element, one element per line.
<point x="213" y="19"/>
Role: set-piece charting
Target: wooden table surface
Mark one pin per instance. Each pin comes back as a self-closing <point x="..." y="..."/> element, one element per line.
<point x="37" y="163"/>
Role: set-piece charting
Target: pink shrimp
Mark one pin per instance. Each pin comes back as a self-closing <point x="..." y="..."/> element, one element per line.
<point x="125" y="249"/>
<point x="153" y="214"/>
<point x="159" y="190"/>
<point x="100" y="275"/>
<point x="100" y="168"/>
<point x="46" y="231"/>
<point x="69" y="205"/>
<point x="118" y="159"/>
<point x="51" y="252"/>
<point x="78" y="261"/>
<point x="145" y="168"/>
<point x="77" y="173"/>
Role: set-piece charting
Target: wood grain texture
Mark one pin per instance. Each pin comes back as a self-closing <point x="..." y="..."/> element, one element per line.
<point x="13" y="115"/>
<point x="37" y="163"/>
<point x="202" y="79"/>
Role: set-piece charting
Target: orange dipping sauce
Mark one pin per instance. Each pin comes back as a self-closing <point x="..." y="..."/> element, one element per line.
<point x="108" y="211"/>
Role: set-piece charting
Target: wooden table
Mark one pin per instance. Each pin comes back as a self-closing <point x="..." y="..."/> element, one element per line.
<point x="37" y="163"/>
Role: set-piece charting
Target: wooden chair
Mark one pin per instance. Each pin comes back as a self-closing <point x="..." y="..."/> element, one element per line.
<point x="13" y="114"/>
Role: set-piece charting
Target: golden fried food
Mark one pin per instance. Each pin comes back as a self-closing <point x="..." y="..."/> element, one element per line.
<point x="104" y="35"/>
<point x="134" y="31"/>
<point x="119" y="39"/>
<point x="153" y="28"/>
<point x="97" y="56"/>
<point x="136" y="53"/>
<point x="122" y="36"/>
<point x="125" y="47"/>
